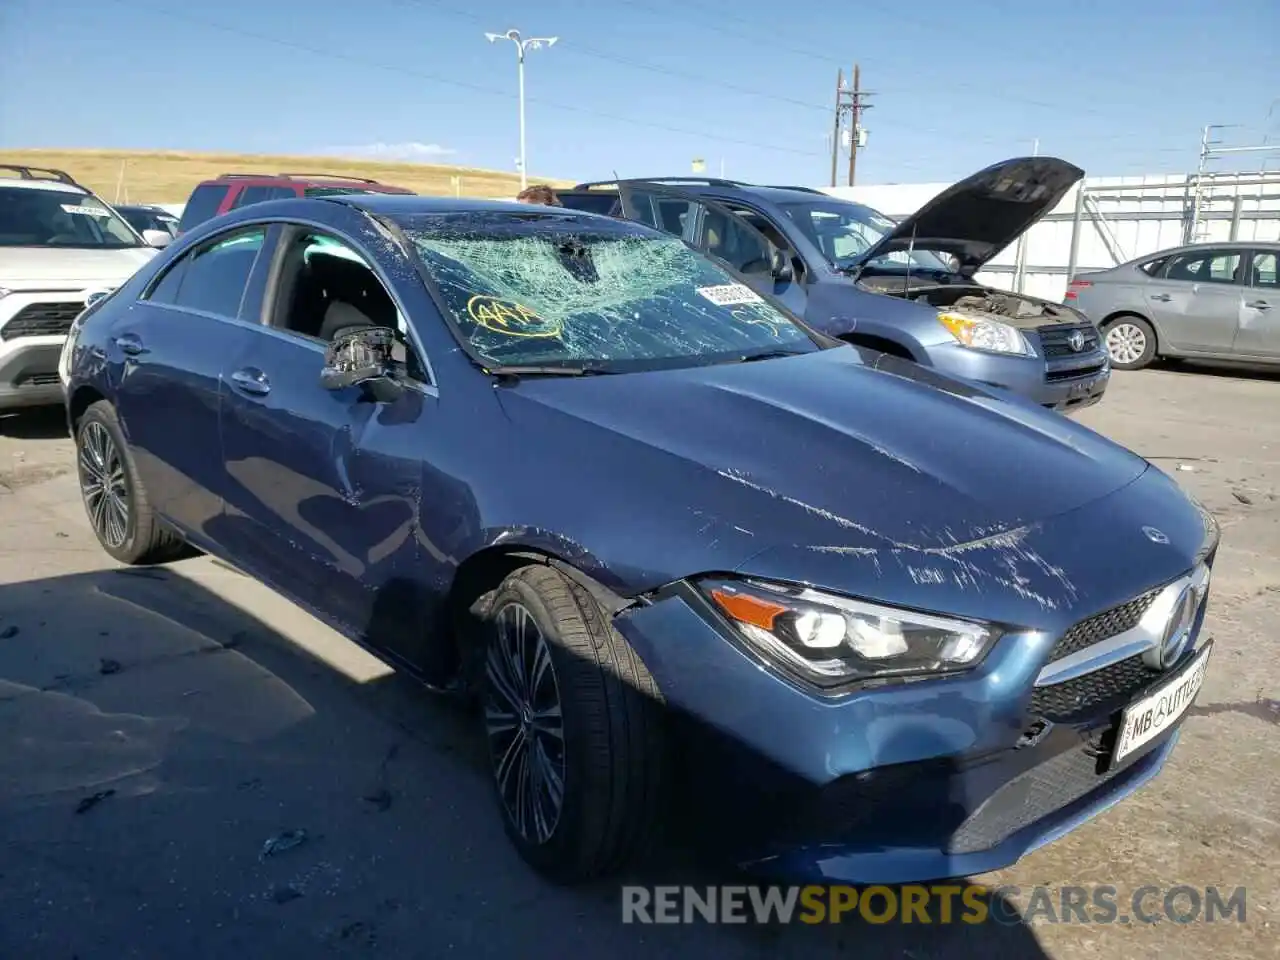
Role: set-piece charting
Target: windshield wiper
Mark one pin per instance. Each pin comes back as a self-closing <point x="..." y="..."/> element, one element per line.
<point x="518" y="371"/>
<point x="771" y="355"/>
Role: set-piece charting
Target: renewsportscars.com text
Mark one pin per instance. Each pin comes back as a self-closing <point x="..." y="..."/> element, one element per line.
<point x="932" y="904"/>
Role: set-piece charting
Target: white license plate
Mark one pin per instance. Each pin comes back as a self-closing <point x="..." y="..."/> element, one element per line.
<point x="1146" y="719"/>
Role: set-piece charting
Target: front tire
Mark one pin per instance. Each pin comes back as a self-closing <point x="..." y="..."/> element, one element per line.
<point x="113" y="495"/>
<point x="1131" y="342"/>
<point x="572" y="723"/>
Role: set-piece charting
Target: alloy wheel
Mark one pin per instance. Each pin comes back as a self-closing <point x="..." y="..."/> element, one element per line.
<point x="104" y="484"/>
<point x="524" y="724"/>
<point x="1126" y="343"/>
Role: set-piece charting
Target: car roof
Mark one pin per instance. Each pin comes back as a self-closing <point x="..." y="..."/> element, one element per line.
<point x="409" y="204"/>
<point x="711" y="188"/>
<point x="306" y="179"/>
<point x="23" y="184"/>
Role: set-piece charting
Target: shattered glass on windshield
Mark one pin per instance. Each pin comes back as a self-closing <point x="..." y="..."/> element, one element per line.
<point x="565" y="295"/>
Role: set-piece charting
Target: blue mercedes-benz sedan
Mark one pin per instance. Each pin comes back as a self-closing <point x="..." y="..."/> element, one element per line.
<point x="880" y="624"/>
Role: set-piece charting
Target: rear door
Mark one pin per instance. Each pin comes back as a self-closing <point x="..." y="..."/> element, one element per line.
<point x="1259" y="334"/>
<point x="1197" y="299"/>
<point x="713" y="229"/>
<point x="172" y="347"/>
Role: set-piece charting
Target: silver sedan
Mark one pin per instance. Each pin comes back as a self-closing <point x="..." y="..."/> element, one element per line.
<point x="1211" y="301"/>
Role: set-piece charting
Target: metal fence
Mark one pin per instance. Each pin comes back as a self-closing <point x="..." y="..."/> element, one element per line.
<point x="1109" y="220"/>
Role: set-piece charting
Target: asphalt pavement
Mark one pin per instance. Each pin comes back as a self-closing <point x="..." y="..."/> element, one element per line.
<point x="191" y="767"/>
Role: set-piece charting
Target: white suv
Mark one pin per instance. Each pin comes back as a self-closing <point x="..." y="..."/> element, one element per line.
<point x="58" y="244"/>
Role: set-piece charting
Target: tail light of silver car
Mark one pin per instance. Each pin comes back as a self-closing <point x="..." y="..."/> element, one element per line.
<point x="1073" y="289"/>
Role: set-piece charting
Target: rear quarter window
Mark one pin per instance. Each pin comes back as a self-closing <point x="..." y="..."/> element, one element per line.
<point x="202" y="205"/>
<point x="1152" y="267"/>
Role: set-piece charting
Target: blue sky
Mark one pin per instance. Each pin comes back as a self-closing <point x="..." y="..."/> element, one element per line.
<point x="644" y="86"/>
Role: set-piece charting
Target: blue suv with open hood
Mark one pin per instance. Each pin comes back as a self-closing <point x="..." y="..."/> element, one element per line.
<point x="905" y="288"/>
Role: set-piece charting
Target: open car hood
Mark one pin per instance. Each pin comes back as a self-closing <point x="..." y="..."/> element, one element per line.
<point x="981" y="215"/>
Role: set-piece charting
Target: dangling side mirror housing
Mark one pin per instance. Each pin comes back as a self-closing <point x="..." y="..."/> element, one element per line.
<point x="362" y="358"/>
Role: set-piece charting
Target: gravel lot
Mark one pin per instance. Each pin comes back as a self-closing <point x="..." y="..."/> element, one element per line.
<point x="207" y="715"/>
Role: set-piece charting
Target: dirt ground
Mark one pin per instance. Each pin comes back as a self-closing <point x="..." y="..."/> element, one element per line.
<point x="158" y="727"/>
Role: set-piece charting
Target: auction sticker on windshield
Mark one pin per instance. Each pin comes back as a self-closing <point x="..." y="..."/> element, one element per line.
<point x="84" y="210"/>
<point x="1145" y="720"/>
<point x="730" y="294"/>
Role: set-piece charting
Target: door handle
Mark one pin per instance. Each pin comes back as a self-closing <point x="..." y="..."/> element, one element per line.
<point x="1161" y="296"/>
<point x="131" y="344"/>
<point x="1259" y="305"/>
<point x="252" y="381"/>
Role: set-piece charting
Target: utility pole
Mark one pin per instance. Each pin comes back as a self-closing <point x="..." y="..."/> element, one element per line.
<point x="851" y="103"/>
<point x="835" y="132"/>
<point x="856" y="127"/>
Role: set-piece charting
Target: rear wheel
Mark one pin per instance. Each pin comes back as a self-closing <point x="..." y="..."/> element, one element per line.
<point x="1131" y="342"/>
<point x="571" y="719"/>
<point x="113" y="495"/>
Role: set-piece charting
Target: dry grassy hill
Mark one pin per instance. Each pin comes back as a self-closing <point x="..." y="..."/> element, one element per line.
<point x="156" y="176"/>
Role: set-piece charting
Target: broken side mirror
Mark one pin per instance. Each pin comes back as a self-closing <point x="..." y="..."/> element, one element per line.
<point x="363" y="358"/>
<point x="780" y="265"/>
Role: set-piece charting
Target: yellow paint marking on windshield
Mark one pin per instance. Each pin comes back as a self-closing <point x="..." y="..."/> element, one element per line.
<point x="510" y="318"/>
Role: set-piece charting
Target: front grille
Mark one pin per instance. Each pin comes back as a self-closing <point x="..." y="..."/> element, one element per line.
<point x="42" y="320"/>
<point x="1053" y="340"/>
<point x="1073" y="373"/>
<point x="1028" y="797"/>
<point x="1095" y="694"/>
<point x="1103" y="625"/>
<point x="37" y="380"/>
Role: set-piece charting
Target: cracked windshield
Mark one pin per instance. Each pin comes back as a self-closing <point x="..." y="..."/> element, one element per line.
<point x="552" y="293"/>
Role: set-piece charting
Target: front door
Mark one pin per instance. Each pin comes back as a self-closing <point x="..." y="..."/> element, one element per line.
<point x="325" y="486"/>
<point x="1197" y="301"/>
<point x="173" y="345"/>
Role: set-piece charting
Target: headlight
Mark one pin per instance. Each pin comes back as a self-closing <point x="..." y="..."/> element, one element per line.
<point x="830" y="641"/>
<point x="981" y="333"/>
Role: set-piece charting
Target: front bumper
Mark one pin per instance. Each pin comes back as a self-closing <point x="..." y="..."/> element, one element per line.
<point x="29" y="372"/>
<point x="908" y="782"/>
<point x="1028" y="377"/>
<point x="33" y="328"/>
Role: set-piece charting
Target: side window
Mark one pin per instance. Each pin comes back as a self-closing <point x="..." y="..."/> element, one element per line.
<point x="215" y="275"/>
<point x="327" y="289"/>
<point x="734" y="241"/>
<point x="202" y="205"/>
<point x="257" y="194"/>
<point x="1263" y="270"/>
<point x="1152" y="267"/>
<point x="166" y="291"/>
<point x="1205" y="266"/>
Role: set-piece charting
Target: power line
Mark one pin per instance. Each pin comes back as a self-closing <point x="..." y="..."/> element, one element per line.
<point x="572" y="47"/>
<point x="462" y="84"/>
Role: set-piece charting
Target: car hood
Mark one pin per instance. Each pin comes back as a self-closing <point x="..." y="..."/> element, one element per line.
<point x="981" y="215"/>
<point x="839" y="451"/>
<point x="39" y="267"/>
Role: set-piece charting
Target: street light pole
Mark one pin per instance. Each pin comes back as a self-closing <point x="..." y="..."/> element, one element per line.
<point x="522" y="44"/>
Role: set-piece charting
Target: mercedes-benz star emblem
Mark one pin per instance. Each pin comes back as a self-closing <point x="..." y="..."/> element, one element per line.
<point x="1155" y="536"/>
<point x="1075" y="340"/>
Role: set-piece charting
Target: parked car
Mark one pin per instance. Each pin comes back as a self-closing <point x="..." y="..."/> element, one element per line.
<point x="906" y="288"/>
<point x="212" y="198"/>
<point x="1208" y="301"/>
<point x="58" y="243"/>
<point x="149" y="217"/>
<point x="886" y="623"/>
